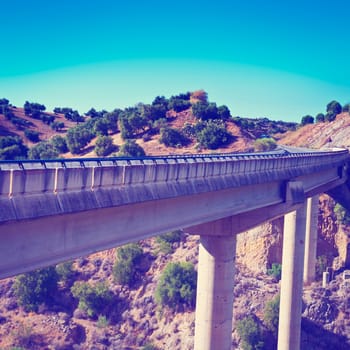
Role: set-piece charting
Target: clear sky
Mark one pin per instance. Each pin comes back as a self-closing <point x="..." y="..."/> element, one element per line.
<point x="275" y="59"/>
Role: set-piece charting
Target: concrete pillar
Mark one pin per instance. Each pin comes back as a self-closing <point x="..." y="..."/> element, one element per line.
<point x="292" y="280"/>
<point x="214" y="308"/>
<point x="311" y="240"/>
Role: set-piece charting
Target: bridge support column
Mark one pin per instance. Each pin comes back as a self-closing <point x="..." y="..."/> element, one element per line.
<point x="311" y="240"/>
<point x="292" y="280"/>
<point x="214" y="308"/>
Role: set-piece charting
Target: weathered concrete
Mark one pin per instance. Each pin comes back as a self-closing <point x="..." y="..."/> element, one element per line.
<point x="214" y="307"/>
<point x="80" y="185"/>
<point x="311" y="240"/>
<point x="292" y="280"/>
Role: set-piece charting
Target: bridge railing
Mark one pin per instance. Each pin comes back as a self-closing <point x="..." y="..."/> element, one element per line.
<point x="55" y="176"/>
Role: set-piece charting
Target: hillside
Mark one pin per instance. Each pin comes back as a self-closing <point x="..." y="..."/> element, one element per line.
<point x="174" y="125"/>
<point x="329" y="134"/>
<point x="141" y="322"/>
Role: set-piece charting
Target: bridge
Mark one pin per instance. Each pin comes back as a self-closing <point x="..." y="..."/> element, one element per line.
<point x="57" y="210"/>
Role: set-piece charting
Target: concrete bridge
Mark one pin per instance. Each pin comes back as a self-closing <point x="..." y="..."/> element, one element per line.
<point x="57" y="210"/>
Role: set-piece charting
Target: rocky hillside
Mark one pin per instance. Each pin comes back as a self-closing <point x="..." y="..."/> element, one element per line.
<point x="328" y="134"/>
<point x="141" y="323"/>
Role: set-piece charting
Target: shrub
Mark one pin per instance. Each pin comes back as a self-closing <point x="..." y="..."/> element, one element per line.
<point x="125" y="269"/>
<point x="343" y="216"/>
<point x="264" y="145"/>
<point x="275" y="271"/>
<point x="250" y="333"/>
<point x="131" y="149"/>
<point x="36" y="287"/>
<point x="96" y="300"/>
<point x="271" y="314"/>
<point x="177" y="286"/>
<point x="149" y="346"/>
<point x="165" y="241"/>
<point x="65" y="271"/>
<point x="322" y="262"/>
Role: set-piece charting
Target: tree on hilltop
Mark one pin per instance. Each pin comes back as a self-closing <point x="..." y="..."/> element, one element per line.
<point x="307" y="119"/>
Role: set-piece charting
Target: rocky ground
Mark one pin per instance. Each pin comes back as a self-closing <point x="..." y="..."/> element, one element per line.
<point x="326" y="314"/>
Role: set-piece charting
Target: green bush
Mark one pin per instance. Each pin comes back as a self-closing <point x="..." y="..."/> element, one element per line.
<point x="149" y="346"/>
<point x="250" y="333"/>
<point x="125" y="269"/>
<point x="65" y="271"/>
<point x="96" y="300"/>
<point x="264" y="145"/>
<point x="177" y="286"/>
<point x="322" y="262"/>
<point x="271" y="314"/>
<point x="36" y="287"/>
<point x="343" y="216"/>
<point x="131" y="149"/>
<point x="166" y="240"/>
<point x="275" y="271"/>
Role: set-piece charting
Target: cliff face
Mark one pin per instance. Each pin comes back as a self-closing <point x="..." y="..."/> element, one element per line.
<point x="260" y="247"/>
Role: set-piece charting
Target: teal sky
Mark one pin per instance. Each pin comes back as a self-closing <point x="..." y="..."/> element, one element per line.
<point x="275" y="59"/>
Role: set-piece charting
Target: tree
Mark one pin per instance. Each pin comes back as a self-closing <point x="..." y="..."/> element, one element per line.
<point x="59" y="144"/>
<point x="307" y="119"/>
<point x="334" y="107"/>
<point x="346" y="108"/>
<point x="131" y="149"/>
<point x="104" y="146"/>
<point x="212" y="134"/>
<point x="43" y="150"/>
<point x="125" y="269"/>
<point x="320" y="118"/>
<point x="101" y="127"/>
<point x="32" y="135"/>
<point x="132" y="122"/>
<point x="78" y="137"/>
<point x="250" y="333"/>
<point x="172" y="137"/>
<point x="12" y="147"/>
<point x="271" y="314"/>
<point x="36" y="287"/>
<point x="177" y="286"/>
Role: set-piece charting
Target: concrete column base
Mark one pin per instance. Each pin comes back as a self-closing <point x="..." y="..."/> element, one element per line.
<point x="214" y="308"/>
